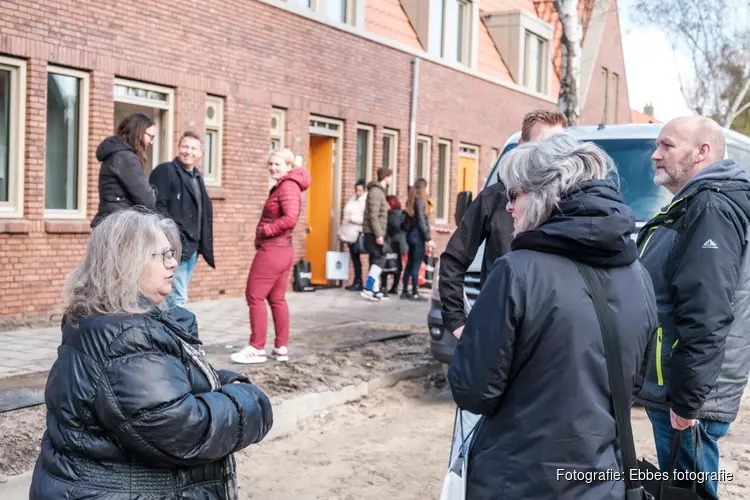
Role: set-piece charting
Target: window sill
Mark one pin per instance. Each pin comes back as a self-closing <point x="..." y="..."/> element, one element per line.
<point x="216" y="192"/>
<point x="20" y="226"/>
<point x="67" y="226"/>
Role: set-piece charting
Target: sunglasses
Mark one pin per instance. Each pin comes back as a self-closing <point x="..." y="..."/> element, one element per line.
<point x="513" y="195"/>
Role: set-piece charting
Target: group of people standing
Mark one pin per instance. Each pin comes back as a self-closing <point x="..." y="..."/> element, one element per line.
<point x="375" y="224"/>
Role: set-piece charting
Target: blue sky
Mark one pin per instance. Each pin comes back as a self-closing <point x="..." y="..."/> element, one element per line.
<point x="651" y="68"/>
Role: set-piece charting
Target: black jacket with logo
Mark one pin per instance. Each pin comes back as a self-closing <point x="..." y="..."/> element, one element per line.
<point x="695" y="252"/>
<point x="176" y="198"/>
<point x="531" y="357"/>
<point x="486" y="220"/>
<point x="122" y="181"/>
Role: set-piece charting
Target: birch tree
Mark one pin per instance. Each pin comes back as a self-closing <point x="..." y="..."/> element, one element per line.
<point x="569" y="102"/>
<point x="715" y="34"/>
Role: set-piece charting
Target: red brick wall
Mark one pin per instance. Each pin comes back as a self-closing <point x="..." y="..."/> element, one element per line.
<point x="300" y="65"/>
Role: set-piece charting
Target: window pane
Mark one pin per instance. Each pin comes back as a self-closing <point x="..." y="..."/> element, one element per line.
<point x="387" y="140"/>
<point x="336" y="10"/>
<point x="540" y="65"/>
<point x="275" y="144"/>
<point x="362" y="153"/>
<point x="61" y="173"/>
<point x="208" y="155"/>
<point x="442" y="204"/>
<point x="460" y="33"/>
<point x="421" y="159"/>
<point x="4" y="134"/>
<point x="305" y="3"/>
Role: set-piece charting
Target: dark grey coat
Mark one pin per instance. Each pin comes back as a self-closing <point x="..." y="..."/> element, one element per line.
<point x="531" y="357"/>
<point x="696" y="253"/>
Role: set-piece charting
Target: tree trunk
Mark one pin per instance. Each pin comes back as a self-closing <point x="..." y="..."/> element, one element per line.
<point x="734" y="110"/>
<point x="570" y="73"/>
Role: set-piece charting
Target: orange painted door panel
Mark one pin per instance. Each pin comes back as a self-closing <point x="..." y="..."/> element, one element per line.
<point x="467" y="174"/>
<point x="319" y="206"/>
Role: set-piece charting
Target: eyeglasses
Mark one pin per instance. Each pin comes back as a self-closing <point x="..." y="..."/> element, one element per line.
<point x="513" y="194"/>
<point x="166" y="257"/>
<point x="150" y="136"/>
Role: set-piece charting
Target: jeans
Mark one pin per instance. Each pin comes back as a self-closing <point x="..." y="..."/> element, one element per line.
<point x="414" y="260"/>
<point x="356" y="262"/>
<point x="180" y="281"/>
<point x="267" y="281"/>
<point x="710" y="432"/>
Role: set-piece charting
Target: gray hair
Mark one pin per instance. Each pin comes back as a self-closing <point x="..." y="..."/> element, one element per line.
<point x="107" y="280"/>
<point x="547" y="169"/>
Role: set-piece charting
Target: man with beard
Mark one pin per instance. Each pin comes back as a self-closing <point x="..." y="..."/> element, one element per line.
<point x="695" y="252"/>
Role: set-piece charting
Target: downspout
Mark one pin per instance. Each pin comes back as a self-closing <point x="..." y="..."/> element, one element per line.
<point x="413" y="119"/>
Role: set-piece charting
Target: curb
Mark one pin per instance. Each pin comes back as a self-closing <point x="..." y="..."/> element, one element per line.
<point x="287" y="415"/>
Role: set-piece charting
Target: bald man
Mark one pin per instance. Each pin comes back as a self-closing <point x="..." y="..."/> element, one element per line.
<point x="695" y="252"/>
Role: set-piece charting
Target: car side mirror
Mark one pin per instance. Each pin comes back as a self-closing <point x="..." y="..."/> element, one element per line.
<point x="463" y="200"/>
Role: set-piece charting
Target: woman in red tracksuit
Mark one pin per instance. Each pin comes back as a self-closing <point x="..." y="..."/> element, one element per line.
<point x="273" y="260"/>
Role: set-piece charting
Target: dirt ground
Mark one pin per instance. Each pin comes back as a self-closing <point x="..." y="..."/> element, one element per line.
<point x="21" y="430"/>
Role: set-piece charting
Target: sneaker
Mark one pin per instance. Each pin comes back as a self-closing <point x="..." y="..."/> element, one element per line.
<point x="280" y="353"/>
<point x="418" y="297"/>
<point x="355" y="287"/>
<point x="382" y="295"/>
<point x="249" y="355"/>
<point x="370" y="295"/>
<point x="405" y="296"/>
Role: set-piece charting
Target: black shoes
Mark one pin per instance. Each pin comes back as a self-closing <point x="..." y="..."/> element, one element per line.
<point x="355" y="287"/>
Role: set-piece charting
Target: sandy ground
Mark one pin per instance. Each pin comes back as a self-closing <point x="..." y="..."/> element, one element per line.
<point x="394" y="445"/>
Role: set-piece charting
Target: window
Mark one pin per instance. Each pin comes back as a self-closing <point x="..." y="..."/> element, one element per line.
<point x="305" y="3"/>
<point x="65" y="175"/>
<point x="463" y="32"/>
<point x="278" y="125"/>
<point x="337" y="10"/>
<point x="423" y="159"/>
<point x="364" y="152"/>
<point x="390" y="157"/>
<point x="212" y="154"/>
<point x="605" y="87"/>
<point x="12" y="127"/>
<point x="615" y="96"/>
<point x="443" y="180"/>
<point x="535" y="62"/>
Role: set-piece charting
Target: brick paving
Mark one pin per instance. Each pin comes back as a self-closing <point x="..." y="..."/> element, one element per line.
<point x="225" y="322"/>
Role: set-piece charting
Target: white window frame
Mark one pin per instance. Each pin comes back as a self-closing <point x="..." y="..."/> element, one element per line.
<point x="13" y="208"/>
<point x="468" y="29"/>
<point x="215" y="127"/>
<point x="320" y="8"/>
<point x="276" y="135"/>
<point x="83" y="154"/>
<point x="427" y="159"/>
<point x="370" y="142"/>
<point x="393" y="160"/>
<point x="444" y="198"/>
<point x="148" y="103"/>
<point x="531" y="65"/>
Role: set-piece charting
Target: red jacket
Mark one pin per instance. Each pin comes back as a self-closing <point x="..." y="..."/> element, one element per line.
<point x="281" y="210"/>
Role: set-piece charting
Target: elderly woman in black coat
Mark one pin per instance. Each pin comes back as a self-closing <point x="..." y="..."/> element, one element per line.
<point x="531" y="356"/>
<point x="134" y="409"/>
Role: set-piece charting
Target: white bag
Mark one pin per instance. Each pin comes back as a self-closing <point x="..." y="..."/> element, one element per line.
<point x="464" y="430"/>
<point x="337" y="266"/>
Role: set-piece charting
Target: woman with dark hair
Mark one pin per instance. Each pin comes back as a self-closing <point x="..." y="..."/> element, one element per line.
<point x="396" y="241"/>
<point x="350" y="231"/>
<point x="418" y="212"/>
<point x="123" y="182"/>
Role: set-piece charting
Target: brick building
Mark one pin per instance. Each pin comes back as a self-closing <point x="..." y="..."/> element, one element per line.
<point x="349" y="85"/>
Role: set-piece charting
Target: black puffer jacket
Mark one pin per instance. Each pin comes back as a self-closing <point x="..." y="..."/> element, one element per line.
<point x="131" y="415"/>
<point x="531" y="357"/>
<point x="122" y="181"/>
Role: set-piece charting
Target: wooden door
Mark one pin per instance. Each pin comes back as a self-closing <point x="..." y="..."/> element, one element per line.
<point x="319" y="206"/>
<point x="467" y="174"/>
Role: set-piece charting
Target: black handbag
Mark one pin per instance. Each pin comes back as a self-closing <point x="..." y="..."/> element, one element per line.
<point x="677" y="488"/>
<point x="633" y="488"/>
<point x="359" y="245"/>
<point x="302" y="277"/>
<point x="429" y="270"/>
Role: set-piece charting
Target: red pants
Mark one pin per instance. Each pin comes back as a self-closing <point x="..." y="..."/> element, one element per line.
<point x="267" y="280"/>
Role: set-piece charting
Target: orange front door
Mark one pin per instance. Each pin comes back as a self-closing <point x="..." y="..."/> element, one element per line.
<point x="320" y="206"/>
<point x="467" y="174"/>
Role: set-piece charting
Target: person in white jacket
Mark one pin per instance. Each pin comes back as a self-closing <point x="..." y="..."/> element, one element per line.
<point x="351" y="228"/>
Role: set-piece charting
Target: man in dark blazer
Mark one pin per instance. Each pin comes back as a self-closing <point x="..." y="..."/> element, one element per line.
<point x="181" y="195"/>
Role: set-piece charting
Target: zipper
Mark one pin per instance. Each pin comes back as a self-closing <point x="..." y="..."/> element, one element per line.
<point x="659" y="375"/>
<point x="651" y="231"/>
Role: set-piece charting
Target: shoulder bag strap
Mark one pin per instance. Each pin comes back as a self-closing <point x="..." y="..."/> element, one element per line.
<point x="620" y="400"/>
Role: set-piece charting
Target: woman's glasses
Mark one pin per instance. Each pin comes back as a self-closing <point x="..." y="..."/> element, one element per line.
<point x="166" y="257"/>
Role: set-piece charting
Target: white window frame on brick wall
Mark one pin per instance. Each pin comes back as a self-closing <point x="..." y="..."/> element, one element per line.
<point x="370" y="130"/>
<point x="354" y="10"/>
<point x="443" y="198"/>
<point x="215" y="129"/>
<point x="278" y="128"/>
<point x="13" y="208"/>
<point x="392" y="160"/>
<point x="83" y="153"/>
<point x="425" y="167"/>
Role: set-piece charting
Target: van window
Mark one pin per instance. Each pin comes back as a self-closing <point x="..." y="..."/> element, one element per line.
<point x="636" y="174"/>
<point x="741" y="156"/>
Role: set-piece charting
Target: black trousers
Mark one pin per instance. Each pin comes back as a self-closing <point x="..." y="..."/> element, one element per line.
<point x="356" y="262"/>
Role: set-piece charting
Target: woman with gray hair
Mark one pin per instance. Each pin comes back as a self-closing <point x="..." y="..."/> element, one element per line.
<point x="531" y="357"/>
<point x="134" y="410"/>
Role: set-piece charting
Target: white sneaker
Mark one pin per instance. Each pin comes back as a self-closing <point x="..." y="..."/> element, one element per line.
<point x="249" y="355"/>
<point x="370" y="295"/>
<point x="280" y="353"/>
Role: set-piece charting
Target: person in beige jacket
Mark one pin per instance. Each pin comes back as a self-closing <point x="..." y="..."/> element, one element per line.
<point x="375" y="226"/>
<point x="351" y="229"/>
